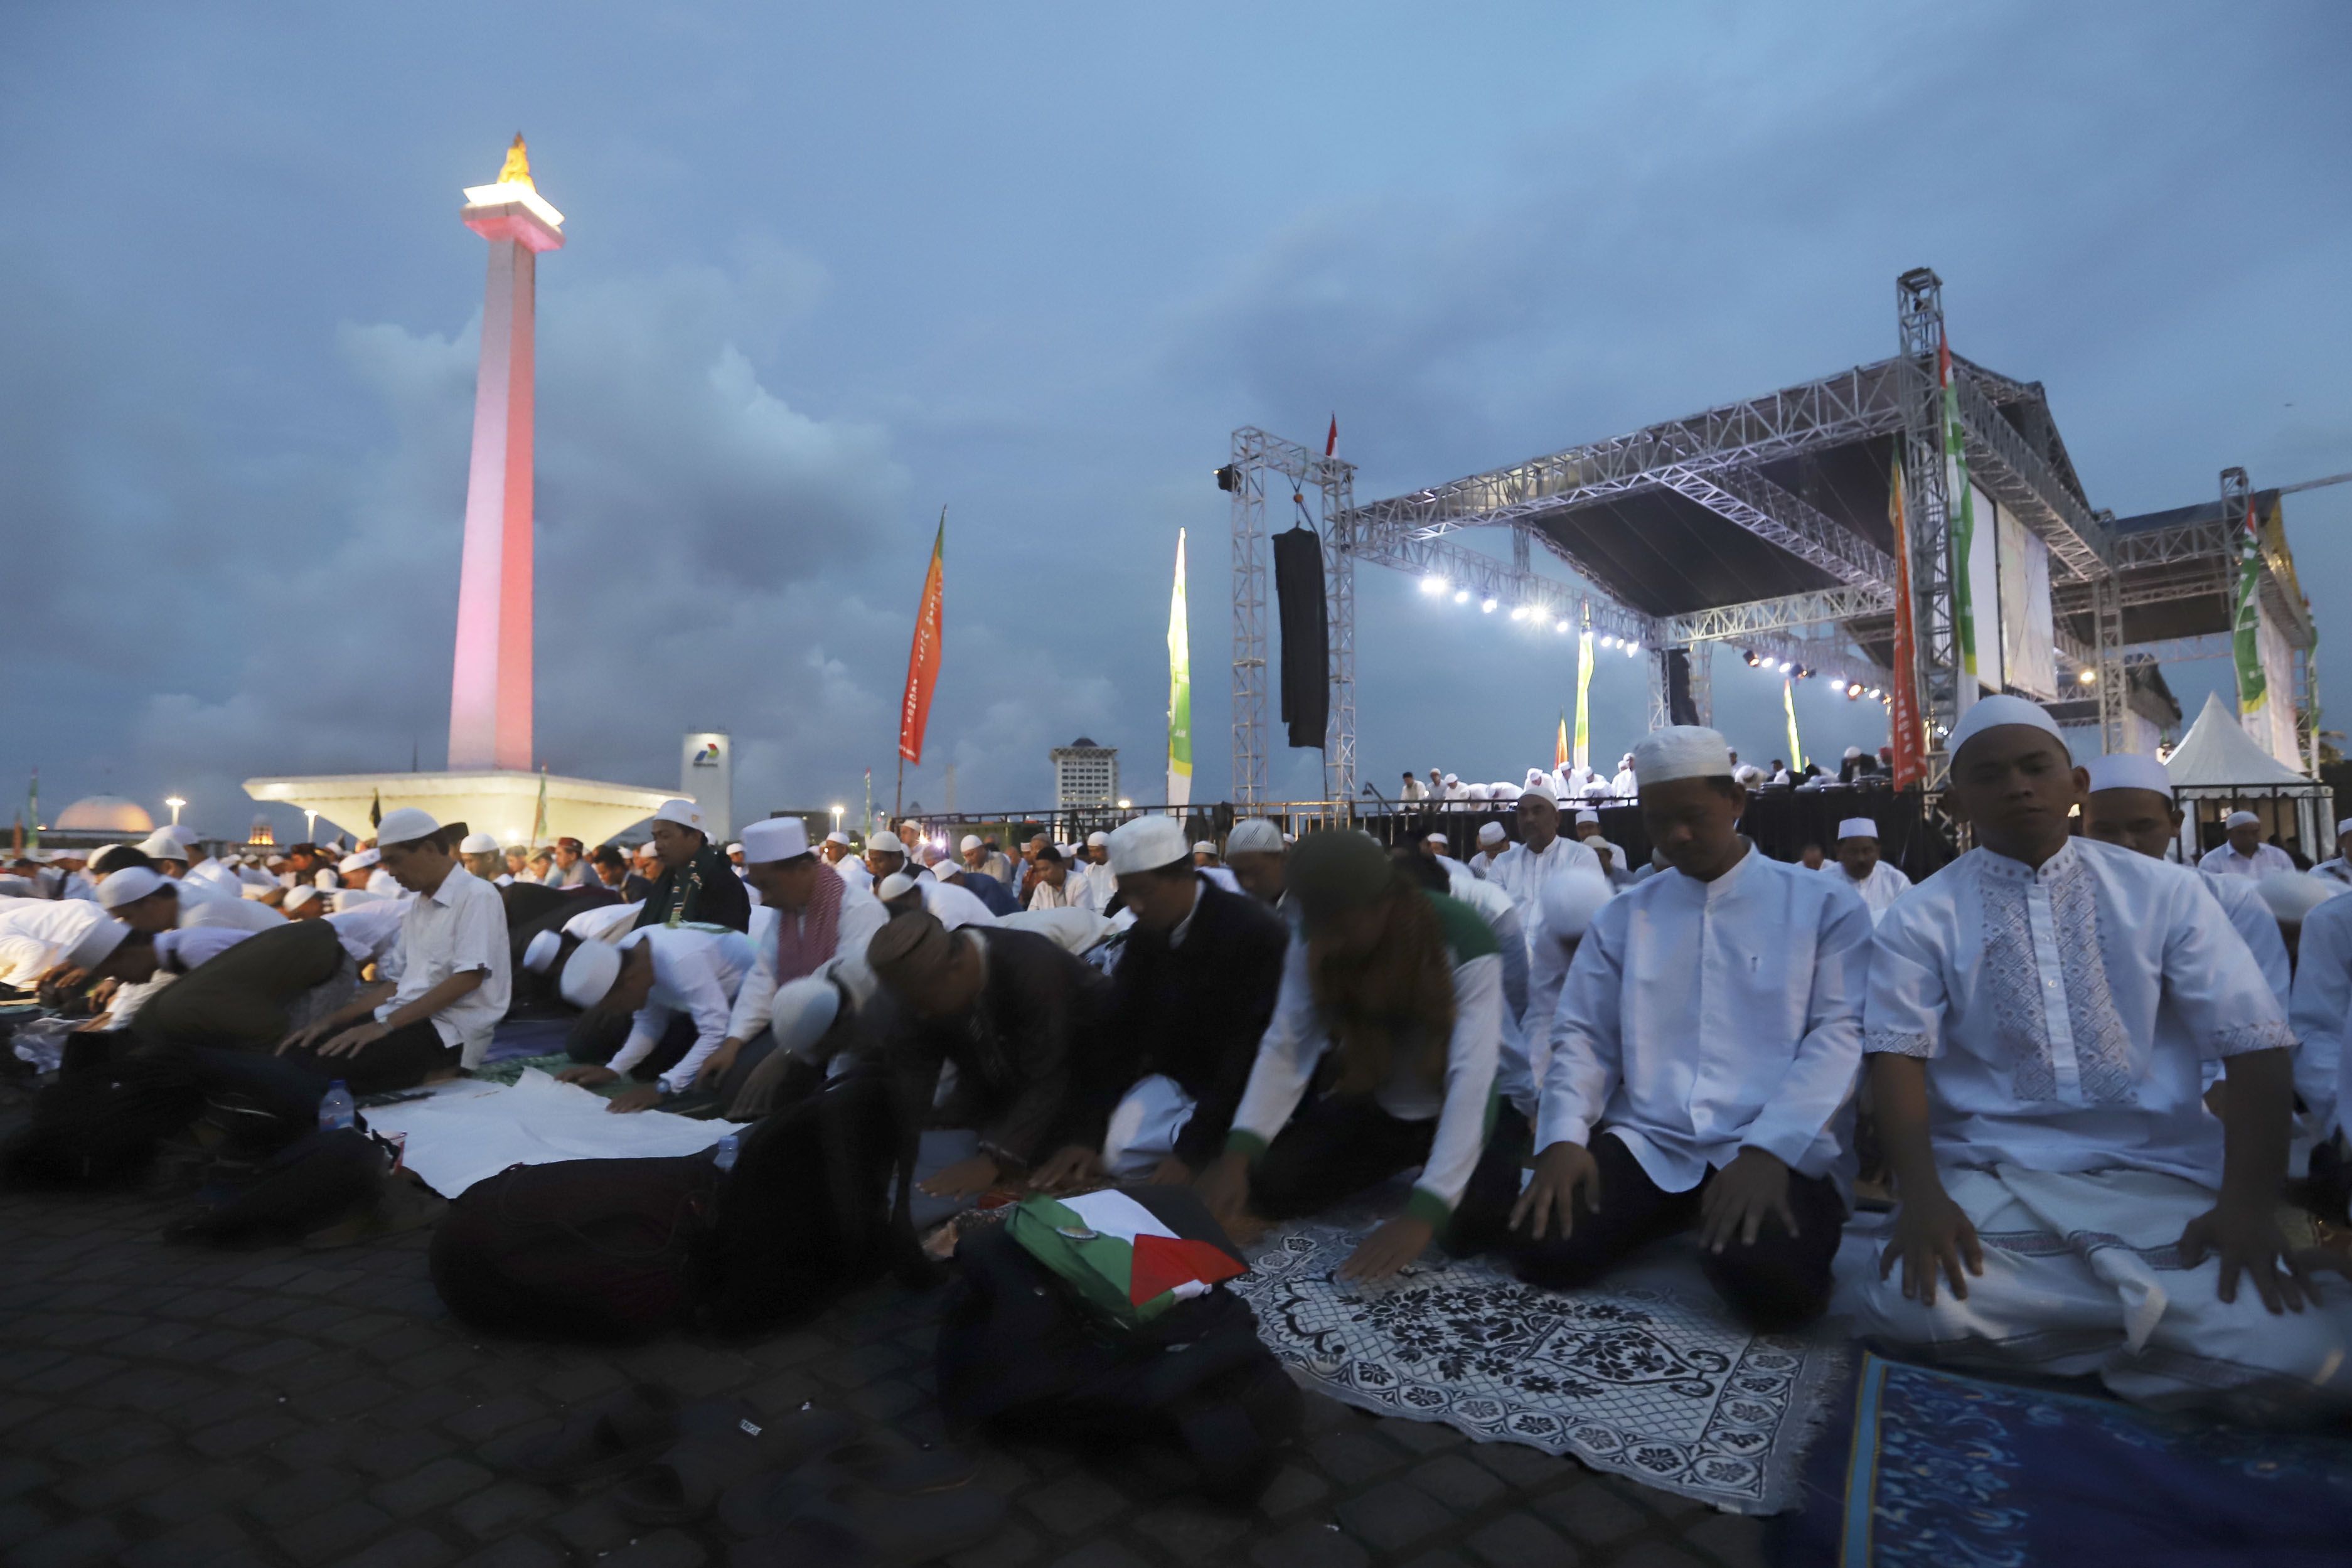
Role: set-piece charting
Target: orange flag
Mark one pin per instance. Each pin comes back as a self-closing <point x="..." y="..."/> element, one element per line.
<point x="923" y="658"/>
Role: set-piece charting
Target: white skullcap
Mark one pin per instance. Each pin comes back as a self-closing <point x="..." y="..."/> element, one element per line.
<point x="296" y="897"/>
<point x="886" y="844"/>
<point x="971" y="842"/>
<point x="1148" y="844"/>
<point x="1994" y="712"/>
<point x="1541" y="790"/>
<point x="2344" y="827"/>
<point x="1437" y="839"/>
<point x="478" y="845"/>
<point x="804" y="1012"/>
<point x="682" y="811"/>
<point x="1857" y="828"/>
<point x="589" y="973"/>
<point x="893" y="885"/>
<point x="539" y="957"/>
<point x="359" y="862"/>
<point x="168" y="842"/>
<point x="2241" y="820"/>
<point x="1290" y="838"/>
<point x="98" y="944"/>
<point x="2291" y="894"/>
<point x="735" y="849"/>
<point x="648" y="848"/>
<point x="774" y="839"/>
<point x="1253" y="835"/>
<point x="405" y="825"/>
<point x="1097" y="838"/>
<point x="1571" y="901"/>
<point x="1587" y="815"/>
<point x="1491" y="833"/>
<point x="1748" y="773"/>
<point x="2129" y="770"/>
<point x="1450" y="778"/>
<point x="1681" y="751"/>
<point x="1851" y="752"/>
<point x="838" y="836"/>
<point x="324" y="878"/>
<point x="1203" y="847"/>
<point x="127" y="886"/>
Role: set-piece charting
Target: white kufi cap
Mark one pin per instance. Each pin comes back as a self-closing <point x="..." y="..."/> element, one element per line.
<point x="297" y="897"/>
<point x="971" y="842"/>
<point x="2241" y="820"/>
<point x="886" y="844"/>
<point x="2129" y="770"/>
<point x="1253" y="835"/>
<point x="539" y="957"/>
<point x="1571" y="901"/>
<point x="168" y="842"/>
<point x="1588" y="815"/>
<point x="1097" y="838"/>
<point x="1857" y="828"/>
<point x="1994" y="712"/>
<point x="1438" y="839"/>
<point x="1541" y="790"/>
<point x="129" y="885"/>
<point x="589" y="972"/>
<point x="478" y="845"/>
<point x="804" y="1012"/>
<point x="682" y="811"/>
<point x="896" y="884"/>
<point x="1491" y="833"/>
<point x="1682" y="751"/>
<point x="2291" y="894"/>
<point x="774" y="839"/>
<point x="405" y="825"/>
<point x="359" y="862"/>
<point x="98" y="944"/>
<point x="1148" y="844"/>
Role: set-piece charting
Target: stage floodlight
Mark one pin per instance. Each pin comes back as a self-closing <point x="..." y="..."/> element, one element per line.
<point x="1433" y="584"/>
<point x="1752" y="660"/>
<point x="1461" y="596"/>
<point x="1488" y="605"/>
<point x="1229" y="479"/>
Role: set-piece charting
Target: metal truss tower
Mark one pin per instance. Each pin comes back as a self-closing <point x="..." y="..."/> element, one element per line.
<point x="1257" y="455"/>
<point x="1920" y="315"/>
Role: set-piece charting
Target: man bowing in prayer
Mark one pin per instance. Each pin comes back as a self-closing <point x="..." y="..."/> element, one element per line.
<point x="696" y="886"/>
<point x="2039" y="1013"/>
<point x="1703" y="1056"/>
<point x="1878" y="883"/>
<point x="1540" y="854"/>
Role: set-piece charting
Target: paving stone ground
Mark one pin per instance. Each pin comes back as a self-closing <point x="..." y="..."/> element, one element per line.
<point x="173" y="1406"/>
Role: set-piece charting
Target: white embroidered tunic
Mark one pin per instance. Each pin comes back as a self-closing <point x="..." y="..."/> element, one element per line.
<point x="2066" y="1011"/>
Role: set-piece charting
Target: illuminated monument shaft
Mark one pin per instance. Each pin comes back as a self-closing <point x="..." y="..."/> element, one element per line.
<point x="491" y="689"/>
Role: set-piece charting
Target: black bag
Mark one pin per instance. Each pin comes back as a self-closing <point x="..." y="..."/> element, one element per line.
<point x="807" y="1213"/>
<point x="317" y="1180"/>
<point x="583" y="1249"/>
<point x="1019" y="1351"/>
<point x="89" y="1130"/>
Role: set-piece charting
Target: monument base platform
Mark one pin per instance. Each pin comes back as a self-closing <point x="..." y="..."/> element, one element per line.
<point x="502" y="801"/>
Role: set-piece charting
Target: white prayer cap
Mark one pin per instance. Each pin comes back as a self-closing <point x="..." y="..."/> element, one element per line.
<point x="1148" y="844"/>
<point x="589" y="973"/>
<point x="1994" y="712"/>
<point x="774" y="839"/>
<point x="1491" y="833"/>
<point x="1437" y="839"/>
<point x="323" y="878"/>
<point x="2241" y="820"/>
<point x="2292" y="895"/>
<point x="1450" y="778"/>
<point x="296" y="897"/>
<point x="1851" y="752"/>
<point x="98" y="944"/>
<point x="539" y="956"/>
<point x="1097" y="839"/>
<point x="1541" y="790"/>
<point x="971" y="842"/>
<point x="478" y="845"/>
<point x="405" y="825"/>
<point x="1572" y="899"/>
<point x="2344" y="827"/>
<point x="886" y="844"/>
<point x="168" y="842"/>
<point x="838" y="836"/>
<point x="1534" y="777"/>
<point x="735" y="849"/>
<point x="2129" y="770"/>
<point x="1203" y="847"/>
<point x="1857" y="828"/>
<point x="1748" y="773"/>
<point x="1681" y="751"/>
<point x="682" y="811"/>
<point x="1290" y="838"/>
<point x="359" y="862"/>
<point x="893" y="885"/>
<point x="804" y="1012"/>
<point x="1254" y="836"/>
<point x="1587" y="815"/>
<point x="129" y="885"/>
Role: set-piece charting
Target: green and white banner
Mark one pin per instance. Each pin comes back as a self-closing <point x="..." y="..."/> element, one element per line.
<point x="1180" y="691"/>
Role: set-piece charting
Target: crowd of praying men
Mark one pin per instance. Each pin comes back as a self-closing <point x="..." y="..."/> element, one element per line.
<point x="2091" y="1071"/>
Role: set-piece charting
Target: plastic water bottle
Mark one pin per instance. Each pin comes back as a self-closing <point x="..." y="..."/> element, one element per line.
<point x="725" y="1150"/>
<point x="335" y="1111"/>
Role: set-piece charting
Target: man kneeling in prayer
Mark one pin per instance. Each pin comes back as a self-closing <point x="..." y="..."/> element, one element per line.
<point x="454" y="974"/>
<point x="2039" y="1013"/>
<point x="1709" y="1032"/>
<point x="653" y="974"/>
<point x="1190" y="1000"/>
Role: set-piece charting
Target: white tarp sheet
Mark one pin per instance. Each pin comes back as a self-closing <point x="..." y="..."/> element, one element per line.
<point x="470" y="1130"/>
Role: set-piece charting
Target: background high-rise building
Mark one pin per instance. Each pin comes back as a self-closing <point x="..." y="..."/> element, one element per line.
<point x="1084" y="774"/>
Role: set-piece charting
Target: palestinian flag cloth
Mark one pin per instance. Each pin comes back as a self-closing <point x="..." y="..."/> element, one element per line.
<point x="1130" y="1253"/>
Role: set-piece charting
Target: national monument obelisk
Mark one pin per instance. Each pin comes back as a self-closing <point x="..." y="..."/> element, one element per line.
<point x="490" y="690"/>
<point x="490" y="784"/>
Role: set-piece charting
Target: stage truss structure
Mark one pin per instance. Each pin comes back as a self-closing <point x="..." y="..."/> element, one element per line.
<point x="1717" y="459"/>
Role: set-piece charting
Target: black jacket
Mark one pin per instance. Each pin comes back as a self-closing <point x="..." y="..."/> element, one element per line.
<point x="1196" y="1010"/>
<point x="705" y="891"/>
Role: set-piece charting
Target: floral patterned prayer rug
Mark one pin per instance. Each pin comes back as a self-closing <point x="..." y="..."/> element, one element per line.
<point x="1654" y="1383"/>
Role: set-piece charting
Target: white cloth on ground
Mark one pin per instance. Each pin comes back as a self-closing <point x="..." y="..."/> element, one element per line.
<point x="1683" y="1030"/>
<point x="467" y="1130"/>
<point x="2082" y="1275"/>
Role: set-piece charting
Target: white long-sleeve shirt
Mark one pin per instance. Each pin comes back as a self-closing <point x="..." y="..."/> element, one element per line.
<point x="1297" y="1036"/>
<point x="2066" y="1011"/>
<point x="1075" y="892"/>
<point x="36" y="934"/>
<point x="2321" y="1013"/>
<point x="2225" y="860"/>
<point x="2251" y="918"/>
<point x="1521" y="872"/>
<point x="862" y="916"/>
<point x="1702" y="1017"/>
<point x="696" y="972"/>
<point x="2336" y="874"/>
<point x="1878" y="890"/>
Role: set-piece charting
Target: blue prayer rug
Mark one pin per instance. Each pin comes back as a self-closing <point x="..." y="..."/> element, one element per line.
<point x="1929" y="1466"/>
<point x="1651" y="1380"/>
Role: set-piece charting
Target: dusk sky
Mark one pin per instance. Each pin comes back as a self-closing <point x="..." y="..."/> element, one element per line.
<point x="829" y="269"/>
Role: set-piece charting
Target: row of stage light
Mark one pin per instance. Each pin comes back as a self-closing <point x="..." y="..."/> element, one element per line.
<point x="1437" y="586"/>
<point x="1854" y="690"/>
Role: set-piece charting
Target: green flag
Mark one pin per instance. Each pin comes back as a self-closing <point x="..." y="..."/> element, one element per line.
<point x="1788" y="704"/>
<point x="1964" y="529"/>
<point x="1583" y="752"/>
<point x="1180" y="691"/>
<point x="2245" y="630"/>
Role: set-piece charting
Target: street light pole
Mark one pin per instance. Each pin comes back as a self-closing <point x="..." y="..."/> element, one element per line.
<point x="175" y="803"/>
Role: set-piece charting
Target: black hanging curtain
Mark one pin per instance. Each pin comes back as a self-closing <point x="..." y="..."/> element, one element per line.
<point x="1305" y="636"/>
<point x="1680" y="707"/>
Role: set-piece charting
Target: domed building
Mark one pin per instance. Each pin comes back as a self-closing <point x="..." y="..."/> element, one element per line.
<point x="110" y="818"/>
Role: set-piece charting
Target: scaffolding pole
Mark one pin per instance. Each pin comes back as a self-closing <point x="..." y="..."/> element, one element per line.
<point x="1920" y="320"/>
